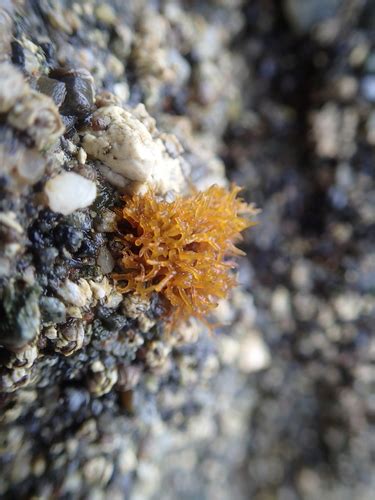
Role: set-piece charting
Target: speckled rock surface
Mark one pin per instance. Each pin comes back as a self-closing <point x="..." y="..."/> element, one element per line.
<point x="97" y="400"/>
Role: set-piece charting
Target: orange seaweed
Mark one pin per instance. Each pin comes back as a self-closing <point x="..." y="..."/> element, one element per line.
<point x="184" y="249"/>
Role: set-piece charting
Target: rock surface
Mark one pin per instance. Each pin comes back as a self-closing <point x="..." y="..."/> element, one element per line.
<point x="97" y="401"/>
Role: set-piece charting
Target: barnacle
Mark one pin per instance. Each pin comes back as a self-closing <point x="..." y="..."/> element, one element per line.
<point x="182" y="249"/>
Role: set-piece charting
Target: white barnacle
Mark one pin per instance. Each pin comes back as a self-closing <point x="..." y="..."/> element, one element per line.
<point x="37" y="114"/>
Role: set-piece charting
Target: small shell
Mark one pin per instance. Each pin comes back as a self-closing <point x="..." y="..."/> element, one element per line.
<point x="100" y="289"/>
<point x="38" y="115"/>
<point x="157" y="354"/>
<point x="78" y="295"/>
<point x="68" y="192"/>
<point x="9" y="219"/>
<point x="24" y="358"/>
<point x="101" y="379"/>
<point x="98" y="470"/>
<point x="70" y="338"/>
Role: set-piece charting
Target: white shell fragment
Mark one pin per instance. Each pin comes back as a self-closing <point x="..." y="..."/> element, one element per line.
<point x="68" y="192"/>
<point x="124" y="144"/>
<point x="76" y="294"/>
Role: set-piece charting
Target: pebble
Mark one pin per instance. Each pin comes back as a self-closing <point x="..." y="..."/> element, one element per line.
<point x="80" y="91"/>
<point x="20" y="315"/>
<point x="348" y="306"/>
<point x="368" y="87"/>
<point x="105" y="260"/>
<point x="12" y="86"/>
<point x="68" y="192"/>
<point x="53" y="88"/>
<point x="304" y="14"/>
<point x="254" y="354"/>
<point x="280" y="304"/>
<point x="370" y="128"/>
<point x="105" y="14"/>
<point x="325" y="128"/>
<point x="127" y="460"/>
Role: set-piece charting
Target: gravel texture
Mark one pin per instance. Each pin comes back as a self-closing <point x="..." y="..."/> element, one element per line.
<point x="97" y="400"/>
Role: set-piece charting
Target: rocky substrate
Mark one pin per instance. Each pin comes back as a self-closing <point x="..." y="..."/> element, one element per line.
<point x="101" y="99"/>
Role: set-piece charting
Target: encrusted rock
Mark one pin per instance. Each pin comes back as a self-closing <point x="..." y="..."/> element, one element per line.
<point x="20" y="315"/>
<point x="52" y="309"/>
<point x="106" y="223"/>
<point x="124" y="144"/>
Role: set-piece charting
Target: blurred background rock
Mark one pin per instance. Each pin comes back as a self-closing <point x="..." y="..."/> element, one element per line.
<point x="280" y="404"/>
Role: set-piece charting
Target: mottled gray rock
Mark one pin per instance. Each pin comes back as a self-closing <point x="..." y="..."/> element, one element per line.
<point x="20" y="314"/>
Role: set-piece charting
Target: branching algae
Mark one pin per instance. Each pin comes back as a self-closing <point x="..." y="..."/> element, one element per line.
<point x="182" y="249"/>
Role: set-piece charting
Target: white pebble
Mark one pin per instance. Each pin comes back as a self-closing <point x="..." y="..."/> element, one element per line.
<point x="254" y="354"/>
<point x="68" y="192"/>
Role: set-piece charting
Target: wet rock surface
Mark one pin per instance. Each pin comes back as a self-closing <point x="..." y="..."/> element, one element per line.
<point x="97" y="399"/>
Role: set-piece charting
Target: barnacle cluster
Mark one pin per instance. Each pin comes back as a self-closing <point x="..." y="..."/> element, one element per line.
<point x="182" y="249"/>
